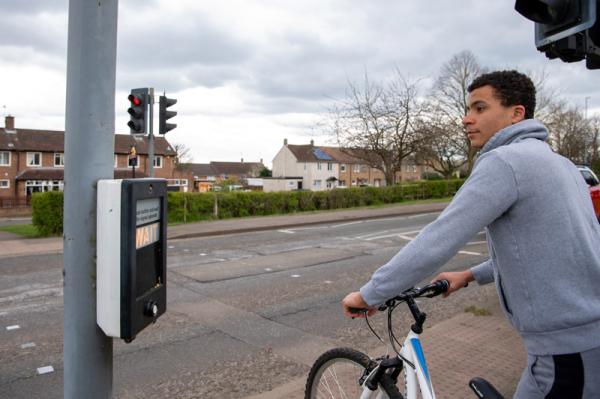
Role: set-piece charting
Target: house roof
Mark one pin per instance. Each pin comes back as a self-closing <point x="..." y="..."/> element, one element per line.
<point x="236" y="168"/>
<point x="58" y="174"/>
<point x="53" y="141"/>
<point x="200" y="169"/>
<point x="312" y="153"/>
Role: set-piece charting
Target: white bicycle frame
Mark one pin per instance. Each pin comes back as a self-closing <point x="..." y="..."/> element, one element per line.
<point x="414" y="378"/>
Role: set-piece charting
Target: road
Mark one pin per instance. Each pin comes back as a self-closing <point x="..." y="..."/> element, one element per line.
<point x="246" y="312"/>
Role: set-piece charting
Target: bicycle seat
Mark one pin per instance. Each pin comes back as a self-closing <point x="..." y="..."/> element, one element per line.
<point x="483" y="389"/>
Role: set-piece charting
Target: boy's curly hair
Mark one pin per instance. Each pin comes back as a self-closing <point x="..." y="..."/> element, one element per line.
<point x="510" y="87"/>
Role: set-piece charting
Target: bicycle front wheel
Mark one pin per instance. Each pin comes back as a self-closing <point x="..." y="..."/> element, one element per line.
<point x="340" y="373"/>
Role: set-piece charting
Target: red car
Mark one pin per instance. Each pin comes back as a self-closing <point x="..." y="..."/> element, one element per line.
<point x="592" y="180"/>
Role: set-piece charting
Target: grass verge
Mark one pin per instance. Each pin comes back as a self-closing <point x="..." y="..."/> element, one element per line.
<point x="24" y="230"/>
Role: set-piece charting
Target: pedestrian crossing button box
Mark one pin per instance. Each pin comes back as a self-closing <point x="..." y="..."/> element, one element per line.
<point x="131" y="269"/>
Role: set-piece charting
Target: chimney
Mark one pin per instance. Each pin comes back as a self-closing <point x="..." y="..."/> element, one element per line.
<point x="312" y="142"/>
<point x="284" y="141"/>
<point x="242" y="160"/>
<point x="261" y="160"/>
<point x="9" y="122"/>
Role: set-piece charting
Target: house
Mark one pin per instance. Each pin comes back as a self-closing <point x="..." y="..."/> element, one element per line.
<point x="317" y="168"/>
<point x="33" y="161"/>
<point x="207" y="175"/>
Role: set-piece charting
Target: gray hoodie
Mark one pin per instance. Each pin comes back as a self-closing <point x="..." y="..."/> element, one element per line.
<point x="543" y="239"/>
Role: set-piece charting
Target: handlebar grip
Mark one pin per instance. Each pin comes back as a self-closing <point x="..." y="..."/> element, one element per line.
<point x="438" y="287"/>
<point x="357" y="310"/>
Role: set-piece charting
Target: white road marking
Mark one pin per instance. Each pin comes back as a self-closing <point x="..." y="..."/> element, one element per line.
<point x="171" y="247"/>
<point x="28" y="345"/>
<point x="295" y="275"/>
<point x="407" y="238"/>
<point x="347" y="224"/>
<point x="476" y="242"/>
<point x="401" y="234"/>
<point x="186" y="250"/>
<point x="470" y="253"/>
<point x="287" y="231"/>
<point x="15" y="327"/>
<point x="45" y="370"/>
<point x="203" y="254"/>
<point x="268" y="269"/>
<point x="327" y="282"/>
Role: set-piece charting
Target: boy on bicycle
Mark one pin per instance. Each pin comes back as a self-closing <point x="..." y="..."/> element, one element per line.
<point x="543" y="239"/>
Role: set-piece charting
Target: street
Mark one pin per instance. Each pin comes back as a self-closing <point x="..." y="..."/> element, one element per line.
<point x="246" y="312"/>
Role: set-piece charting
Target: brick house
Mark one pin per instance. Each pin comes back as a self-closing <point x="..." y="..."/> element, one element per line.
<point x="207" y="175"/>
<point x="33" y="161"/>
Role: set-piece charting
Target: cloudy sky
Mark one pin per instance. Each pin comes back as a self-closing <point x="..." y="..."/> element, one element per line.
<point x="249" y="73"/>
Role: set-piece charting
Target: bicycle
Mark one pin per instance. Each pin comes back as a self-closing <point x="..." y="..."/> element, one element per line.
<point x="348" y="373"/>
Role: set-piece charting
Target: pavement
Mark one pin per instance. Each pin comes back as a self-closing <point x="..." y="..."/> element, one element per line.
<point x="457" y="349"/>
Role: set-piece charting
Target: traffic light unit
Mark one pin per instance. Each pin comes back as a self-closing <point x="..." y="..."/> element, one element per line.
<point x="565" y="29"/>
<point x="137" y="110"/>
<point x="163" y="114"/>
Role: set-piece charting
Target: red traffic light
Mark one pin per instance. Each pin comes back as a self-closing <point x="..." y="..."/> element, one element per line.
<point x="135" y="100"/>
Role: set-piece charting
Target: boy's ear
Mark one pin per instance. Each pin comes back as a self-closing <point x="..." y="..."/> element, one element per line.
<point x="518" y="113"/>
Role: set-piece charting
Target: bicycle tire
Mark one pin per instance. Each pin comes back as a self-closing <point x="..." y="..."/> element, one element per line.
<point x="338" y="371"/>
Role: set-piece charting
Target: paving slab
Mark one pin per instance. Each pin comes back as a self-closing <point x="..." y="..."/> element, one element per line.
<point x="457" y="349"/>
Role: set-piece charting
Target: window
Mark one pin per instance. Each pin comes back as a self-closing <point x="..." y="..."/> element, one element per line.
<point x="135" y="163"/>
<point x="318" y="165"/>
<point x="116" y="160"/>
<point x="356" y="167"/>
<point x="4" y="184"/>
<point x="342" y="183"/>
<point x="4" y="158"/>
<point x="158" y="161"/>
<point x="59" y="159"/>
<point x="38" y="186"/>
<point x="34" y="159"/>
<point x="329" y="166"/>
<point x="343" y="167"/>
<point x="177" y="182"/>
<point x="317" y="183"/>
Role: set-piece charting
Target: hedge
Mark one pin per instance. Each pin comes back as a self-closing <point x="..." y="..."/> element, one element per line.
<point x="47" y="212"/>
<point x="47" y="207"/>
<point x="191" y="207"/>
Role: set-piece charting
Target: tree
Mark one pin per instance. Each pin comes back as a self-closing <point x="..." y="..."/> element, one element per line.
<point x="376" y="123"/>
<point x="442" y="147"/>
<point x="570" y="133"/>
<point x="265" y="172"/>
<point x="182" y="155"/>
<point x="450" y="95"/>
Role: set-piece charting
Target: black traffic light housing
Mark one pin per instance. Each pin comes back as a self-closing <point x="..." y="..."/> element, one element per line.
<point x="163" y="114"/>
<point x="138" y="100"/>
<point x="565" y="29"/>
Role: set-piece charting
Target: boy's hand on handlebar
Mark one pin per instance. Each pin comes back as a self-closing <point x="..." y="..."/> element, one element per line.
<point x="457" y="280"/>
<point x="354" y="306"/>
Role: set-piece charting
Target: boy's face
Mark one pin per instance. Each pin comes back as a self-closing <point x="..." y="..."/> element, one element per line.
<point x="486" y="116"/>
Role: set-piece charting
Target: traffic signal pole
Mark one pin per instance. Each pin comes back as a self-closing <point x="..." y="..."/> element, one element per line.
<point x="89" y="149"/>
<point x="151" y="132"/>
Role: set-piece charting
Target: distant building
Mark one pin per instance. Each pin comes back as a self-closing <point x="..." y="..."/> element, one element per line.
<point x="243" y="174"/>
<point x="33" y="161"/>
<point x="317" y="168"/>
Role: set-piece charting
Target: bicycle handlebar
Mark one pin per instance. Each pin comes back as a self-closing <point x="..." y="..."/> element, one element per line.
<point x="431" y="290"/>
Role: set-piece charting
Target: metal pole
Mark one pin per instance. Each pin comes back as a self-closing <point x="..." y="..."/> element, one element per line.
<point x="89" y="152"/>
<point x="151" y="130"/>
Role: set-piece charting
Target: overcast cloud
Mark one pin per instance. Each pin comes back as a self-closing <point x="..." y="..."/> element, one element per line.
<point x="249" y="73"/>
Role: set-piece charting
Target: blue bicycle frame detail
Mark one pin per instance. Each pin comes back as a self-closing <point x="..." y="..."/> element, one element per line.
<point x="416" y="344"/>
